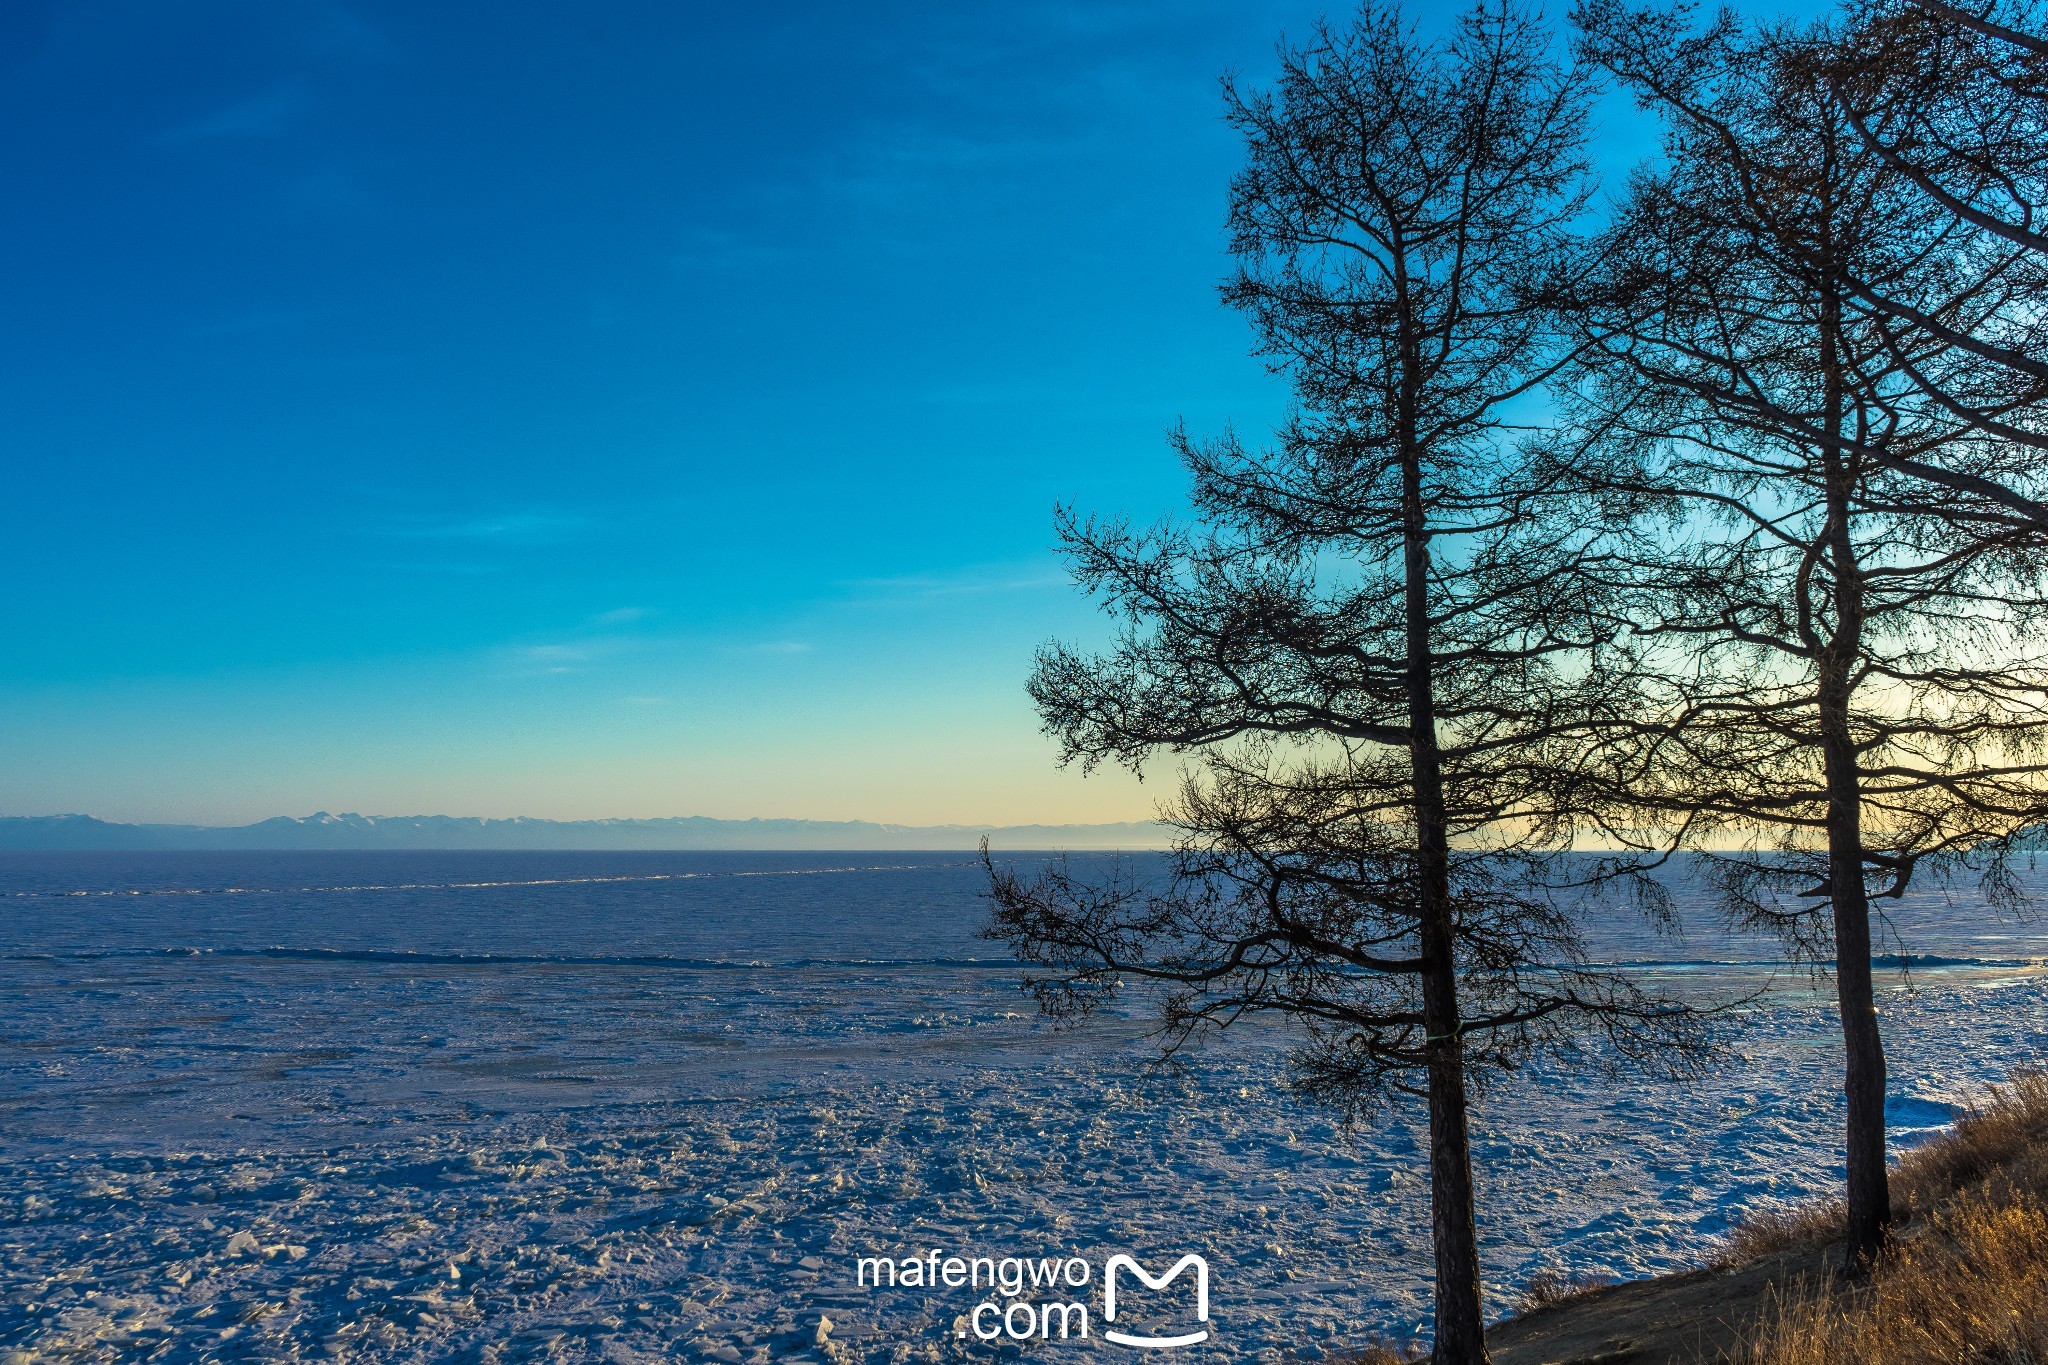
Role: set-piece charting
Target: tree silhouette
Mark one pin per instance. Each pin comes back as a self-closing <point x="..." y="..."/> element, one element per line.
<point x="1954" y="103"/>
<point x="1854" y="667"/>
<point x="1389" y="647"/>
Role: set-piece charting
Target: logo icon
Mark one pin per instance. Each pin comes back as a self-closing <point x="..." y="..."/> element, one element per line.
<point x="1124" y="1262"/>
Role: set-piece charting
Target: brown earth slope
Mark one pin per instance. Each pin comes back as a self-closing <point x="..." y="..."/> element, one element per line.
<point x="1673" y="1320"/>
<point x="1966" y="1282"/>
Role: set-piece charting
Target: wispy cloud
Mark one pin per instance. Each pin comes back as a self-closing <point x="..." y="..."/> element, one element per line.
<point x="971" y="581"/>
<point x="270" y="114"/>
<point x="463" y="567"/>
<point x="558" y="658"/>
<point x="256" y="324"/>
<point x="341" y="31"/>
<point x="578" y="653"/>
<point x="509" y="528"/>
<point x="711" y="251"/>
<point x="620" y="616"/>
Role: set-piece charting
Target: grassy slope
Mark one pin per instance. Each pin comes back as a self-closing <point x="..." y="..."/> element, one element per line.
<point x="1966" y="1284"/>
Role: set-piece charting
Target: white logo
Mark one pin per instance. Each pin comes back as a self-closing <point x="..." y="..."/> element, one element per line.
<point x="1109" y="1270"/>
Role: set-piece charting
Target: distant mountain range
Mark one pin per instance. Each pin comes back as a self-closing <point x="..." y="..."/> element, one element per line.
<point x="55" y="832"/>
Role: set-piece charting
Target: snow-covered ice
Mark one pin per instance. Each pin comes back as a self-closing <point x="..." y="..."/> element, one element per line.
<point x="652" y="1119"/>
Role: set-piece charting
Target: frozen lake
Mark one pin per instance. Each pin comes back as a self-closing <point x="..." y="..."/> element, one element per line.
<point x="654" y="1106"/>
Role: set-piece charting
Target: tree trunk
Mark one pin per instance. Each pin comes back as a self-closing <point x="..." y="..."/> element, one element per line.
<point x="1862" y="1083"/>
<point x="1863" y="1077"/>
<point x="1460" y="1319"/>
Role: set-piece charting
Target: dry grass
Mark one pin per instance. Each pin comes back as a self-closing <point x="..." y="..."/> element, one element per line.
<point x="1378" y="1353"/>
<point x="1767" y="1232"/>
<point x="1968" y="1288"/>
<point x="2005" y="1132"/>
<point x="2004" y="1135"/>
<point x="1967" y="1281"/>
<point x="1547" y="1288"/>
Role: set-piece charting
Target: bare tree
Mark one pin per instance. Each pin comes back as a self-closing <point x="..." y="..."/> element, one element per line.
<point x="1854" y="663"/>
<point x="1953" y="102"/>
<point x="1387" y="650"/>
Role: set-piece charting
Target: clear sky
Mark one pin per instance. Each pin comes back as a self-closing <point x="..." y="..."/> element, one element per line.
<point x="631" y="408"/>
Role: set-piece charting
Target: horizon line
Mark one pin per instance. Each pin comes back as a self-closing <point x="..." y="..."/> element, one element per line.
<point x="340" y="816"/>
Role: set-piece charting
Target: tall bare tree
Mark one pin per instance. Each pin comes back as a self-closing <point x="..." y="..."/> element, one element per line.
<point x="1857" y="686"/>
<point x="1385" y="649"/>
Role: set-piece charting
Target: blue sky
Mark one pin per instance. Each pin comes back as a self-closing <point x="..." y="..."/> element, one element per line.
<point x="631" y="408"/>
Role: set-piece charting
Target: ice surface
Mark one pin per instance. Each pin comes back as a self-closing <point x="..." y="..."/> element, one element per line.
<point x="653" y="1107"/>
